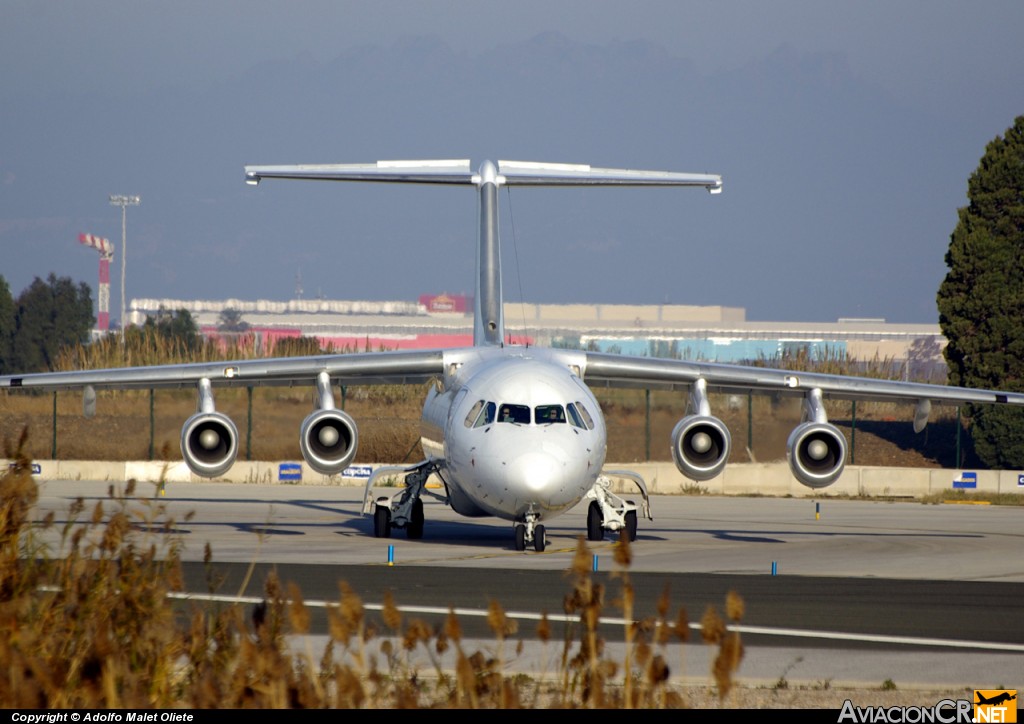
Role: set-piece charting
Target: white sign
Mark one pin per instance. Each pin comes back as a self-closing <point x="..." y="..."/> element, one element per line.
<point x="358" y="471"/>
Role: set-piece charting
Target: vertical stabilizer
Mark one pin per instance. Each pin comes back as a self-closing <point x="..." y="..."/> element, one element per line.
<point x="489" y="308"/>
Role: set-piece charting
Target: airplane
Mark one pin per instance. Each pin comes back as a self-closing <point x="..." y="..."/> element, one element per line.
<point x="996" y="700"/>
<point x="510" y="431"/>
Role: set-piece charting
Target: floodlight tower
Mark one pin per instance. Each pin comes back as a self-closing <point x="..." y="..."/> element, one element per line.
<point x="106" y="250"/>
<point x="124" y="202"/>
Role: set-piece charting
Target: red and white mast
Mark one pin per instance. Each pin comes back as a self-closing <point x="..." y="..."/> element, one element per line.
<point x="106" y="250"/>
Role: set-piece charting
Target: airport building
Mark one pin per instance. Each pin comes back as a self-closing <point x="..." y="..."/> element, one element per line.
<point x="710" y="333"/>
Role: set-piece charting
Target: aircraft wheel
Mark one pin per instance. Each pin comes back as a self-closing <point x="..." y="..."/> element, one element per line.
<point x="595" y="529"/>
<point x="631" y="525"/>
<point x="415" y="528"/>
<point x="539" y="539"/>
<point x="381" y="522"/>
<point x="520" y="537"/>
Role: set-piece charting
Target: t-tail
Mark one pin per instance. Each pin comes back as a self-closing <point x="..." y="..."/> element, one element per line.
<point x="488" y="316"/>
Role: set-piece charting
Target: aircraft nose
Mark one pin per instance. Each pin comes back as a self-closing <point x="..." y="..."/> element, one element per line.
<point x="536" y="471"/>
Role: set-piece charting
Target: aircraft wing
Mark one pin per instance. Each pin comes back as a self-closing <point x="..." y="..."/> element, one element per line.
<point x="816" y="449"/>
<point x="614" y="370"/>
<point x="398" y="367"/>
<point x="328" y="437"/>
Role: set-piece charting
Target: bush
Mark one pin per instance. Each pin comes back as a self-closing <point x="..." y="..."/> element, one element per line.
<point x="93" y="625"/>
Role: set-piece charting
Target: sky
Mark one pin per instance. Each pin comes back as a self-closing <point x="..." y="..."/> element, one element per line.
<point x="845" y="133"/>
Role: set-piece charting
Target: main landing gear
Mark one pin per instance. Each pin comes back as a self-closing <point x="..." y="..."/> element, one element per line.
<point x="531" y="532"/>
<point x="403" y="510"/>
<point x="382" y="522"/>
<point x="608" y="512"/>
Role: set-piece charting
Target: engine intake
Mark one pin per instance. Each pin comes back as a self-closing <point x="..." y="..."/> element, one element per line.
<point x="700" y="446"/>
<point x="816" y="452"/>
<point x="328" y="439"/>
<point x="209" y="443"/>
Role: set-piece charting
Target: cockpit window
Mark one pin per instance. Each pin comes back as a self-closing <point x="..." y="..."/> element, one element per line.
<point x="482" y="413"/>
<point x="546" y="414"/>
<point x="585" y="414"/>
<point x="474" y="412"/>
<point x="514" y="413"/>
<point x="575" y="417"/>
<point x="487" y="416"/>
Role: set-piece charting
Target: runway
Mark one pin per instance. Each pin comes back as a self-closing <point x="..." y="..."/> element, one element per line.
<point x="838" y="592"/>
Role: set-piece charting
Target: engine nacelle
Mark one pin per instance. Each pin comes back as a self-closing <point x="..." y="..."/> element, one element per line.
<point x="816" y="452"/>
<point x="209" y="443"/>
<point x="700" y="446"/>
<point x="328" y="439"/>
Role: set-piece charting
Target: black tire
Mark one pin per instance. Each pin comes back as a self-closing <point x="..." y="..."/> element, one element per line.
<point x="381" y="522"/>
<point x="631" y="524"/>
<point x="595" y="522"/>
<point x="540" y="541"/>
<point x="415" y="528"/>
<point x="520" y="537"/>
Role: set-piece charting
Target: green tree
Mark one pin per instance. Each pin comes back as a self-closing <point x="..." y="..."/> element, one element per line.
<point x="49" y="315"/>
<point x="178" y="327"/>
<point x="6" y="326"/>
<point x="981" y="300"/>
<point x="230" y="320"/>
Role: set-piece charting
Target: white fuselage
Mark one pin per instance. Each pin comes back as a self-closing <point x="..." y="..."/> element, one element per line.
<point x="516" y="432"/>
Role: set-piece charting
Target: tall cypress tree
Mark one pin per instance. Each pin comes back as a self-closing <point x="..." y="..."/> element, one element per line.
<point x="981" y="300"/>
<point x="6" y="326"/>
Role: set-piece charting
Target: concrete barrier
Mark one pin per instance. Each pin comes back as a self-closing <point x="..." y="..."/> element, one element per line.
<point x="662" y="478"/>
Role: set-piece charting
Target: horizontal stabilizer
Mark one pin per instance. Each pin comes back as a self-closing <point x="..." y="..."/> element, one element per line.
<point x="427" y="172"/>
<point x="526" y="173"/>
<point x="514" y="173"/>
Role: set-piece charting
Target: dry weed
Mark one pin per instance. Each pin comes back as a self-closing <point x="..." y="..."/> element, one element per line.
<point x="92" y="625"/>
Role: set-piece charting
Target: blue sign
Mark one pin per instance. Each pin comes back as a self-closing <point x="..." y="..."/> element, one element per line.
<point x="965" y="480"/>
<point x="358" y="471"/>
<point x="37" y="469"/>
<point x="1020" y="481"/>
<point x="289" y="473"/>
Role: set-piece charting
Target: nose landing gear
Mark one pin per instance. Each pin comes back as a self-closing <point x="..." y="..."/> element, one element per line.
<point x="530" y="532"/>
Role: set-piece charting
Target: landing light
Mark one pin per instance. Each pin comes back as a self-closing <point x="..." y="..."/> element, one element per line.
<point x="252" y="180"/>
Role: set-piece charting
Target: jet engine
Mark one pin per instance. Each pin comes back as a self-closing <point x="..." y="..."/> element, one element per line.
<point x="328" y="439"/>
<point x="816" y="453"/>
<point x="209" y="443"/>
<point x="816" y="449"/>
<point x="700" y="446"/>
<point x="209" y="439"/>
<point x="700" y="442"/>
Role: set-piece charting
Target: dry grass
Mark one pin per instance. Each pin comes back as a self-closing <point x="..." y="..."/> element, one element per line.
<point x="91" y="626"/>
